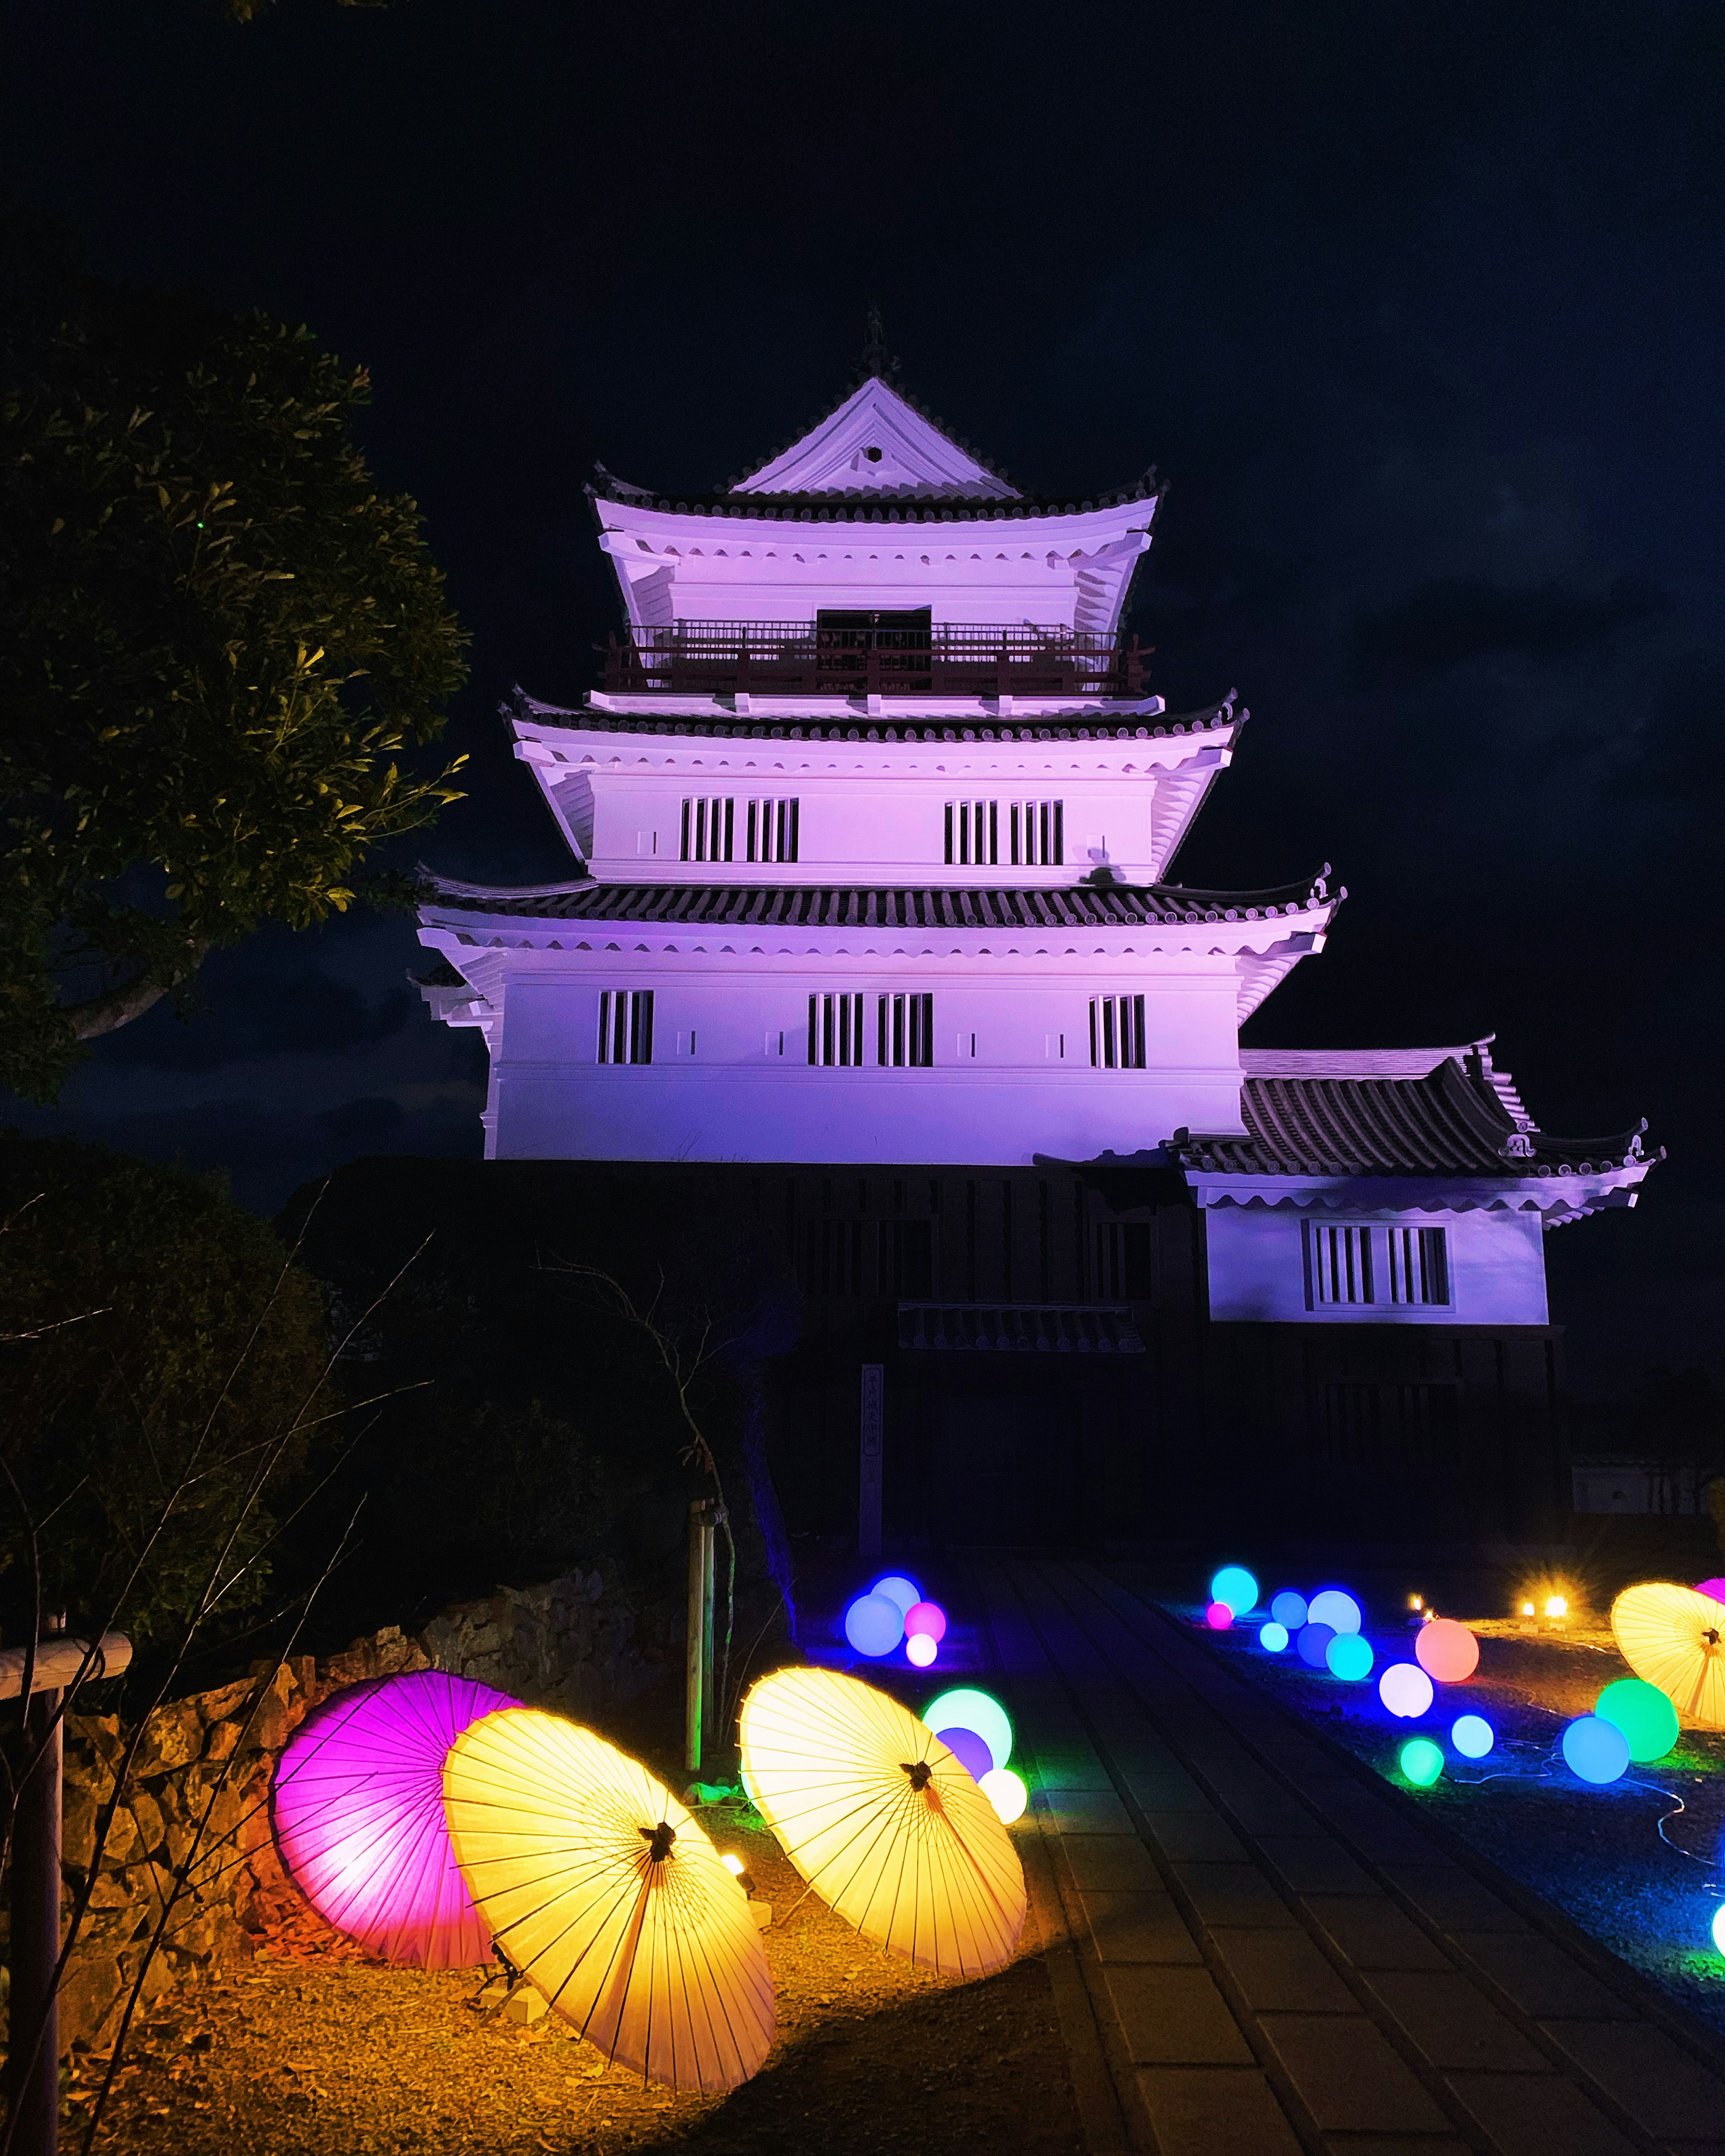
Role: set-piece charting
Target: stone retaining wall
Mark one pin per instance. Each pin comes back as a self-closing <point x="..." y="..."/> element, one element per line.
<point x="192" y="1827"/>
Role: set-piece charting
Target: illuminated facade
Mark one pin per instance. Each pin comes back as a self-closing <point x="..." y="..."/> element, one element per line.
<point x="872" y="826"/>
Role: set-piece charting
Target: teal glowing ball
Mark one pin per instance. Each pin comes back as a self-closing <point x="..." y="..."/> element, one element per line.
<point x="1289" y="1608"/>
<point x="1473" y="1735"/>
<point x="1273" y="1636"/>
<point x="967" y="1708"/>
<point x="1348" y="1656"/>
<point x="874" y="1625"/>
<point x="1597" y="1751"/>
<point x="1421" y="1762"/>
<point x="1339" y="1611"/>
<point x="1235" y="1586"/>
<point x="1641" y="1711"/>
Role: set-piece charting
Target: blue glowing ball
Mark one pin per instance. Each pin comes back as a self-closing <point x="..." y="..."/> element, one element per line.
<point x="1348" y="1656"/>
<point x="1339" y="1611"/>
<point x="1235" y="1586"/>
<point x="874" y="1625"/>
<point x="1273" y="1636"/>
<point x="1289" y="1608"/>
<point x="1314" y="1644"/>
<point x="1473" y="1735"/>
<point x="1597" y="1751"/>
<point x="904" y="1593"/>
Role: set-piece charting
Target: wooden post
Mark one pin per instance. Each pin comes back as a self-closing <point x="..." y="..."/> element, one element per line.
<point x="868" y="1503"/>
<point x="33" y="2065"/>
<point x="694" y="1660"/>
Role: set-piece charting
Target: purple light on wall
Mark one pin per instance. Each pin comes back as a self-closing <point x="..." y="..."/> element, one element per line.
<point x="359" y="1812"/>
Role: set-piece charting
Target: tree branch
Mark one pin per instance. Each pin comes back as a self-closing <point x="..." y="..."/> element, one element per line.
<point x="107" y="1012"/>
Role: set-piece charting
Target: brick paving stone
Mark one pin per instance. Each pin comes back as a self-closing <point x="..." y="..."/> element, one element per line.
<point x="1072" y="1770"/>
<point x="1110" y="1863"/>
<point x="1538" y="2115"/>
<point x="1274" y="1811"/>
<point x="1220" y="2112"/>
<point x="1392" y="2144"/>
<point x="1085" y="1811"/>
<point x="1234" y="1894"/>
<point x="1142" y="1927"/>
<point x="1314" y="1865"/>
<point x="1194" y="1836"/>
<point x="1161" y="1786"/>
<point x="1348" y="2077"/>
<point x="1540" y="1978"/>
<point x="1283" y="1971"/>
<point x="1453" y="2024"/>
<point x="1174" y="2017"/>
<point x="1665" y="2089"/>
<point x="1453" y="1899"/>
<point x="1374" y="1933"/>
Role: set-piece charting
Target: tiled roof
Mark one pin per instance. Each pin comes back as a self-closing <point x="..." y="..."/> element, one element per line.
<point x="1452" y="1122"/>
<point x="702" y="905"/>
<point x="854" y="725"/>
<point x="875" y="506"/>
<point x="1020" y="1328"/>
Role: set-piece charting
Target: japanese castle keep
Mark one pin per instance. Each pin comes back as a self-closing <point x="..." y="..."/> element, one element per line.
<point x="870" y="929"/>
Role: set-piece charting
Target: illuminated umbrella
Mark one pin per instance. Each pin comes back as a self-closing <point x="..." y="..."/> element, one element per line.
<point x="358" y="1810"/>
<point x="882" y="1820"/>
<point x="1672" y="1636"/>
<point x="609" y="1895"/>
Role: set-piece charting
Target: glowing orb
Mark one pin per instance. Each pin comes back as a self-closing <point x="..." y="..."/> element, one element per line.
<point x="1719" y="1913"/>
<point x="1473" y="1735"/>
<point x="358" y="1805"/>
<point x="1447" y="1650"/>
<point x="1406" y="1689"/>
<point x="968" y="1749"/>
<point x="1289" y="1608"/>
<point x="1273" y="1636"/>
<point x="1528" y="1610"/>
<point x="1235" y="1586"/>
<point x="1641" y="1711"/>
<point x="1314" y="1644"/>
<point x="1557" y="1607"/>
<point x="1007" y="1794"/>
<point x="1421" y="1762"/>
<point x="732" y="1863"/>
<point x="927" y="1619"/>
<point x="903" y="1593"/>
<point x="874" y="1625"/>
<point x="1350" y="1656"/>
<point x="1339" y="1611"/>
<point x="1219" y="1616"/>
<point x="966" y="1708"/>
<point x="1597" y="1751"/>
<point x="920" y="1650"/>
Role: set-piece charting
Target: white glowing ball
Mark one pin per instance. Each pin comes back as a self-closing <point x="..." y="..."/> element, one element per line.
<point x="1006" y="1792"/>
<point x="1719" y="1928"/>
<point x="920" y="1649"/>
<point x="1406" y="1689"/>
<point x="732" y="1862"/>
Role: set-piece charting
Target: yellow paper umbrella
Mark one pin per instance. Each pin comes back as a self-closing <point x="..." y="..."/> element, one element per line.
<point x="599" y="1884"/>
<point x="882" y="1820"/>
<point x="1672" y="1636"/>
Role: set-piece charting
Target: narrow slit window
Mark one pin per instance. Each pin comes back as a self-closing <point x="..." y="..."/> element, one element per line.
<point x="1117" y="1033"/>
<point x="708" y="829"/>
<point x="905" y="1032"/>
<point x="626" y="1026"/>
<point x="1338" y="1265"/>
<point x="835" y="1030"/>
<point x="1419" y="1264"/>
<point x="770" y="831"/>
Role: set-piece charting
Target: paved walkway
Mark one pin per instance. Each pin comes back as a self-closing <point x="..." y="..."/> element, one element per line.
<point x="1258" y="1947"/>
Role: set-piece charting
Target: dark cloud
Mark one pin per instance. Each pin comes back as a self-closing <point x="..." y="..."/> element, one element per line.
<point x="1453" y="619"/>
<point x="244" y="1015"/>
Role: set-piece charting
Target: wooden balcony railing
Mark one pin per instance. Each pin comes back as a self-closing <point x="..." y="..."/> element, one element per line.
<point x="798" y="658"/>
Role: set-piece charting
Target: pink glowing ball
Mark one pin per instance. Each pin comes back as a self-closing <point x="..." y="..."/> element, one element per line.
<point x="358" y="1809"/>
<point x="1446" y="1649"/>
<point x="920" y="1649"/>
<point x="1219" y="1616"/>
<point x="1715" y="1588"/>
<point x="928" y="1619"/>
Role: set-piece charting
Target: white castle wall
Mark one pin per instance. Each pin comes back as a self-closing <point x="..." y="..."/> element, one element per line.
<point x="1257" y="1268"/>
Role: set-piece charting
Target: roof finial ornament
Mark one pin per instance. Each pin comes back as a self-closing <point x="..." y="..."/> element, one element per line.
<point x="876" y="359"/>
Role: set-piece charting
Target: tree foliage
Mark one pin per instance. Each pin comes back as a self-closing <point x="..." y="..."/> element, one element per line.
<point x="162" y="1378"/>
<point x="219" y="645"/>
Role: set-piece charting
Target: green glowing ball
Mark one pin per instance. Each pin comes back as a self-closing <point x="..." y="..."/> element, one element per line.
<point x="1421" y="1762"/>
<point x="1646" y="1717"/>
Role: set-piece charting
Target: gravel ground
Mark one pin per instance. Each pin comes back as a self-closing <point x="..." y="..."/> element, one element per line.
<point x="1596" y="1853"/>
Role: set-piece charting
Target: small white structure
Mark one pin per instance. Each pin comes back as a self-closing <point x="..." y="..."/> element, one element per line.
<point x="872" y="828"/>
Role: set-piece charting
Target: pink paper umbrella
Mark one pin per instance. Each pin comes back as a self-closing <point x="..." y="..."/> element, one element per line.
<point x="358" y="1805"/>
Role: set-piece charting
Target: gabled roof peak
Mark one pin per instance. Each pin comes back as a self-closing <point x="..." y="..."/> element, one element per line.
<point x="876" y="440"/>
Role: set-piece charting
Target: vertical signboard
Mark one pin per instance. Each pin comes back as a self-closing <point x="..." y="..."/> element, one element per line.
<point x="868" y="1503"/>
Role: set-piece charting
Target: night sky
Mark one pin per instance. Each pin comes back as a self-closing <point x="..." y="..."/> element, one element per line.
<point x="1418" y="309"/>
